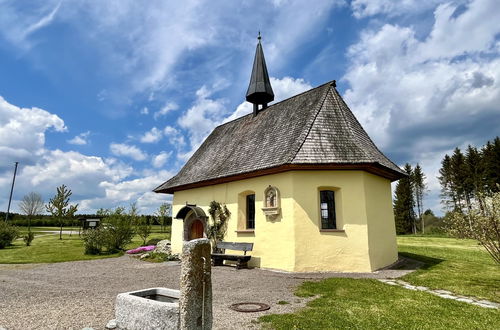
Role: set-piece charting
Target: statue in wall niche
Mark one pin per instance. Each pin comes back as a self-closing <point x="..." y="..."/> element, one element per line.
<point x="271" y="198"/>
<point x="271" y="202"/>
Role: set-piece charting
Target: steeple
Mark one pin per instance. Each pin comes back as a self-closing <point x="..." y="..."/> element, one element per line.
<point x="259" y="90"/>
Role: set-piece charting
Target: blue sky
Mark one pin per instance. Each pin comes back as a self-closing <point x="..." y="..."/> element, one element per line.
<point x="112" y="97"/>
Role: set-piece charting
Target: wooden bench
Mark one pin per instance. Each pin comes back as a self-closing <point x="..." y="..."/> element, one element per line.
<point x="242" y="259"/>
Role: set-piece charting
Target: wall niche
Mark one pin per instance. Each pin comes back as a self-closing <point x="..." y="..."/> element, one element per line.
<point x="272" y="202"/>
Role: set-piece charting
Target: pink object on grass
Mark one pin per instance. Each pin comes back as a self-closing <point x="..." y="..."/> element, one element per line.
<point x="141" y="249"/>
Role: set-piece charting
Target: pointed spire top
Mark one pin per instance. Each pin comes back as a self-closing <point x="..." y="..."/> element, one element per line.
<point x="259" y="90"/>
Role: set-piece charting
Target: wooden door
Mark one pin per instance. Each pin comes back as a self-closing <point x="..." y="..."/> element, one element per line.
<point x="196" y="230"/>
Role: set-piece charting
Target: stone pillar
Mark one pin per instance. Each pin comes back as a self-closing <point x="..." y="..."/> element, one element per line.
<point x="195" y="303"/>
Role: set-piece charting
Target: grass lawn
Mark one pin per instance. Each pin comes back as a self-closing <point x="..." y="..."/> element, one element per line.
<point x="460" y="266"/>
<point x="369" y="304"/>
<point x="48" y="249"/>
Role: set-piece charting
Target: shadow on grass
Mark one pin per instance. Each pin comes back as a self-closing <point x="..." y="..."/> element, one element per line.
<point x="422" y="262"/>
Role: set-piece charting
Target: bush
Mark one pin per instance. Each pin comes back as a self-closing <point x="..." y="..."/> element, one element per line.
<point x="28" y="238"/>
<point x="93" y="240"/>
<point x="117" y="230"/>
<point x="153" y="241"/>
<point x="8" y="234"/>
<point x="161" y="257"/>
<point x="481" y="222"/>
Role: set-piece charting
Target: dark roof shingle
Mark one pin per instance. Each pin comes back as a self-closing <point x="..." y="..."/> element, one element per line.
<point x="312" y="128"/>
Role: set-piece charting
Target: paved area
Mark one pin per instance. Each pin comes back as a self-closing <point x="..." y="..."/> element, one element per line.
<point x="74" y="295"/>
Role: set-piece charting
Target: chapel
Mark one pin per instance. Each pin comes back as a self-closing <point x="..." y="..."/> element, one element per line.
<point x="302" y="179"/>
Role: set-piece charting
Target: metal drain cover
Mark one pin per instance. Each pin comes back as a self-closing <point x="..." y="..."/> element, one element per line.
<point x="249" y="307"/>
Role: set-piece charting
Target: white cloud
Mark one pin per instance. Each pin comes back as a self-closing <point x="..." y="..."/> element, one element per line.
<point x="175" y="138"/>
<point x="420" y="97"/>
<point x="121" y="149"/>
<point x="160" y="159"/>
<point x="80" y="139"/>
<point x="365" y="8"/>
<point x="145" y="111"/>
<point x="22" y="132"/>
<point x="170" y="106"/>
<point x="125" y="192"/>
<point x="152" y="136"/>
<point x="202" y="117"/>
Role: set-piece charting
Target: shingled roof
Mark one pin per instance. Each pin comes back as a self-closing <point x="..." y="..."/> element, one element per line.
<point x="312" y="130"/>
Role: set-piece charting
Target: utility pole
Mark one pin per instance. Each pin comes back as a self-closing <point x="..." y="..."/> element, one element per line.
<point x="11" y="190"/>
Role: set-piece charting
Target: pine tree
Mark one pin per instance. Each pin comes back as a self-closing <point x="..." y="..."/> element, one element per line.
<point x="491" y="160"/>
<point x="459" y="178"/>
<point x="419" y="188"/>
<point x="404" y="215"/>
<point x="445" y="178"/>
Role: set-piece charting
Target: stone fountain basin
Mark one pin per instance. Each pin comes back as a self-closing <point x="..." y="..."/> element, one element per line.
<point x="153" y="308"/>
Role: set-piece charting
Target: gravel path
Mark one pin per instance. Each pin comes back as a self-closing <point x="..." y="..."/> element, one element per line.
<point x="74" y="295"/>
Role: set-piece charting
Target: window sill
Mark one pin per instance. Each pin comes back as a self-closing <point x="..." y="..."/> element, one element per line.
<point x="332" y="230"/>
<point x="245" y="231"/>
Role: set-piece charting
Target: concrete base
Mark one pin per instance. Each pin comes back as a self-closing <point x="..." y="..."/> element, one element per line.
<point x="134" y="311"/>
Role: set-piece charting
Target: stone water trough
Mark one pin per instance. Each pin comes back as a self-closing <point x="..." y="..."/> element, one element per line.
<point x="162" y="308"/>
<point x="154" y="308"/>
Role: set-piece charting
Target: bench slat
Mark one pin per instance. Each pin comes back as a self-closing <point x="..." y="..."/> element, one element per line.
<point x="236" y="246"/>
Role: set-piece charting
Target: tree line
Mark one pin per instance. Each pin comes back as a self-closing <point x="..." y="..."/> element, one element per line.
<point x="470" y="176"/>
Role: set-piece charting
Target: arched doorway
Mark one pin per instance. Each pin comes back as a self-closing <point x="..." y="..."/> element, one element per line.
<point x="196" y="230"/>
<point x="195" y="222"/>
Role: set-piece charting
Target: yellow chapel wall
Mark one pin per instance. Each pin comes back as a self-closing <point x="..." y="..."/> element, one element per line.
<point x="381" y="227"/>
<point x="344" y="250"/>
<point x="293" y="241"/>
<point x="274" y="241"/>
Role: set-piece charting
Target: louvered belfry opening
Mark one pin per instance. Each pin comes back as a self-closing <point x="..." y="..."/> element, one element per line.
<point x="259" y="90"/>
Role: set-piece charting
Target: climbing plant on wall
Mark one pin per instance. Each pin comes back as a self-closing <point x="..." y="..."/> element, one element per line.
<point x="217" y="226"/>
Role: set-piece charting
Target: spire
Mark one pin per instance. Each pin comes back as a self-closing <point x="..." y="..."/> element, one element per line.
<point x="259" y="90"/>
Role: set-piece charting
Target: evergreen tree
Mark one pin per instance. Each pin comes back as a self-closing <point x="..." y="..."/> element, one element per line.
<point x="404" y="215"/>
<point x="445" y="178"/>
<point x="419" y="188"/>
<point x="491" y="160"/>
<point x="459" y="178"/>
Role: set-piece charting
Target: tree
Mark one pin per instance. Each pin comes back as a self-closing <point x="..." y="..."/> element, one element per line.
<point x="31" y="205"/>
<point x="142" y="224"/>
<point x="445" y="179"/>
<point x="479" y="223"/>
<point x="216" y="228"/>
<point x="59" y="206"/>
<point x="404" y="215"/>
<point x="491" y="159"/>
<point x="117" y="229"/>
<point x="163" y="212"/>
<point x="419" y="189"/>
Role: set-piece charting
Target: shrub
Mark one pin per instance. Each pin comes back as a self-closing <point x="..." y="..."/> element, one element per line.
<point x="93" y="240"/>
<point x="153" y="241"/>
<point x="28" y="238"/>
<point x="117" y="230"/>
<point x="481" y="222"/>
<point x="161" y="257"/>
<point x="8" y="234"/>
<point x="143" y="228"/>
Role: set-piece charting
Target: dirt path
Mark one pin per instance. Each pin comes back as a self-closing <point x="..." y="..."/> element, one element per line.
<point x="81" y="293"/>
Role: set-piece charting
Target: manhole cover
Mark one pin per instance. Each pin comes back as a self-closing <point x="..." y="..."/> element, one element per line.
<point x="249" y="307"/>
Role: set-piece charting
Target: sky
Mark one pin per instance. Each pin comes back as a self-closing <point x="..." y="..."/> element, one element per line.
<point x="112" y="97"/>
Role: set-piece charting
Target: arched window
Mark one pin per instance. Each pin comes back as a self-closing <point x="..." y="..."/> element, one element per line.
<point x="327" y="209"/>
